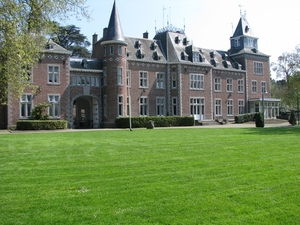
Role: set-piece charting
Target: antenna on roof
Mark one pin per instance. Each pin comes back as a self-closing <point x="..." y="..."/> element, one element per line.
<point x="164" y="16"/>
<point x="241" y="13"/>
<point x="184" y="24"/>
<point x="170" y="14"/>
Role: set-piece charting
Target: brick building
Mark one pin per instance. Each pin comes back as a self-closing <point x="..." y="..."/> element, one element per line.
<point x="166" y="75"/>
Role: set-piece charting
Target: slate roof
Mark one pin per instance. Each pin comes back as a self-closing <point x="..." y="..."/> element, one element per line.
<point x="243" y="29"/>
<point x="86" y="65"/>
<point x="52" y="47"/>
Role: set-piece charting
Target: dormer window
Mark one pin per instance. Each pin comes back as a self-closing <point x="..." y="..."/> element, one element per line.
<point x="184" y="56"/>
<point x="185" y="41"/>
<point x="247" y="28"/>
<point x="84" y="63"/>
<point x="214" y="62"/>
<point x="195" y="57"/>
<point x="139" y="54"/>
<point x="177" y="39"/>
<point x="153" y="46"/>
<point x="201" y="58"/>
<point x="226" y="64"/>
<point x="155" y="56"/>
<point x="137" y="44"/>
<point x="212" y="54"/>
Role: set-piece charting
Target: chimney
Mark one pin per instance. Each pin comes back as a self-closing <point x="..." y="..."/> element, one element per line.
<point x="104" y="33"/>
<point x="145" y="35"/>
<point x="95" y="38"/>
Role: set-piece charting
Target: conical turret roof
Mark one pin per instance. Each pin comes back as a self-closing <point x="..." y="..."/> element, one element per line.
<point x="114" y="30"/>
<point x="243" y="28"/>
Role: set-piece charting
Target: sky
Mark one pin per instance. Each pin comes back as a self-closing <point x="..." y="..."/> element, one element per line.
<point x="208" y="23"/>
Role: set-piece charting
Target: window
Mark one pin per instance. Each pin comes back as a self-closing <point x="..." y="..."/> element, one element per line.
<point x="120" y="76"/>
<point x="89" y="81"/>
<point x="174" y="106"/>
<point x="111" y="50"/>
<point x="29" y="71"/>
<point x="229" y="107"/>
<point x="104" y="51"/>
<point x="53" y="74"/>
<point x="143" y="106"/>
<point x="241" y="106"/>
<point x="218" y="107"/>
<point x="174" y="81"/>
<point x="26" y="105"/>
<point x="263" y="87"/>
<point x="104" y="78"/>
<point x="120" y="105"/>
<point x="258" y="68"/>
<point x="160" y="81"/>
<point x="196" y="81"/>
<point x="54" y="108"/>
<point x="197" y="108"/>
<point x="105" y="105"/>
<point x="160" y="106"/>
<point x="254" y="86"/>
<point x="119" y="50"/>
<point x="236" y="42"/>
<point x="128" y="78"/>
<point x="196" y="57"/>
<point x="240" y="85"/>
<point x="217" y="84"/>
<point x="229" y="84"/>
<point x="143" y="79"/>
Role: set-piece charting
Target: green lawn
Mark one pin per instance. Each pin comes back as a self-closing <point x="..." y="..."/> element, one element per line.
<point x="160" y="176"/>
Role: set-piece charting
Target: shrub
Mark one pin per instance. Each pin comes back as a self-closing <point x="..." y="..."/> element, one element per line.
<point x="39" y="112"/>
<point x="41" y="124"/>
<point x="242" y="118"/>
<point x="159" y="121"/>
<point x="292" y="119"/>
<point x="259" y="120"/>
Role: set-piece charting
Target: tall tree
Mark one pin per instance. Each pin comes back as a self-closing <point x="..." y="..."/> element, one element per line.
<point x="23" y="26"/>
<point x="71" y="39"/>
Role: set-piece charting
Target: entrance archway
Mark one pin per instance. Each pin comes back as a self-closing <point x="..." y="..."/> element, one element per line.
<point x="86" y="113"/>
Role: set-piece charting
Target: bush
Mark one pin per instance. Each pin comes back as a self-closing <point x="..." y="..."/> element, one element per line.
<point x="41" y="124"/>
<point x="159" y="121"/>
<point x="242" y="118"/>
<point x="292" y="119"/>
<point x="259" y="120"/>
<point x="39" y="112"/>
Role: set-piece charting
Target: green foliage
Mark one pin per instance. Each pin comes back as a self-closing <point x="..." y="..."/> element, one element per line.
<point x="243" y="118"/>
<point x="161" y="176"/>
<point x="23" y="28"/>
<point x="259" y="120"/>
<point x="159" y="121"/>
<point x="292" y="119"/>
<point x="39" y="112"/>
<point x="41" y="124"/>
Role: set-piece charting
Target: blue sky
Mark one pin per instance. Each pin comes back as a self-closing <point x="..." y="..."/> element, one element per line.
<point x="208" y="23"/>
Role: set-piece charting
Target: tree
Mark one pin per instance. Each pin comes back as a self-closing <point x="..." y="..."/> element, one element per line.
<point x="259" y="120"/>
<point x="71" y="39"/>
<point x="287" y="64"/>
<point x="23" y="28"/>
<point x="292" y="119"/>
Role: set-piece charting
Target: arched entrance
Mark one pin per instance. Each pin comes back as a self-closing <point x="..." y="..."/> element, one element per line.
<point x="86" y="113"/>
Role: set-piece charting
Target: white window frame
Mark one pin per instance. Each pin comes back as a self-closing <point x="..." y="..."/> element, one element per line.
<point x="258" y="68"/>
<point x="128" y="78"/>
<point x="120" y="105"/>
<point x="111" y="49"/>
<point x="174" y="81"/>
<point x="254" y="86"/>
<point x="160" y="80"/>
<point x="229" y="85"/>
<point x="119" y="50"/>
<point x="143" y="103"/>
<point x="196" y="57"/>
<point x="196" y="81"/>
<point x="264" y="87"/>
<point x="143" y="79"/>
<point x="120" y="76"/>
<point x="26" y="102"/>
<point x="197" y="106"/>
<point x="54" y="108"/>
<point x="230" y="107"/>
<point x="160" y="106"/>
<point x="218" y="107"/>
<point x="240" y="85"/>
<point x="241" y="106"/>
<point x="54" y="74"/>
<point x="174" y="106"/>
<point x="218" y="84"/>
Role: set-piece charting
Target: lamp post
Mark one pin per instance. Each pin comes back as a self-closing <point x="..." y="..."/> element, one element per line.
<point x="263" y="106"/>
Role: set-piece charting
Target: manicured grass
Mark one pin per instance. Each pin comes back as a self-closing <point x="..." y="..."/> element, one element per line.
<point x="160" y="176"/>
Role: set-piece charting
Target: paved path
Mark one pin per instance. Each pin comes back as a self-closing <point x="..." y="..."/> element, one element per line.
<point x="229" y="125"/>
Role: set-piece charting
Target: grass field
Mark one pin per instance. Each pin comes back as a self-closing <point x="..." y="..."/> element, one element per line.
<point x="160" y="176"/>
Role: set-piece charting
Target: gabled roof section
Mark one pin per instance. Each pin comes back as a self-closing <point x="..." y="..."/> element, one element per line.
<point x="87" y="65"/>
<point x="114" y="30"/>
<point x="52" y="47"/>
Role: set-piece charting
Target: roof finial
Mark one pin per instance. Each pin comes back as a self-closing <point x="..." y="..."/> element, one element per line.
<point x="241" y="13"/>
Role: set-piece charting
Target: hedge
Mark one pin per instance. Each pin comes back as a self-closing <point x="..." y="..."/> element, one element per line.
<point x="41" y="124"/>
<point x="245" y="117"/>
<point x="159" y="121"/>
